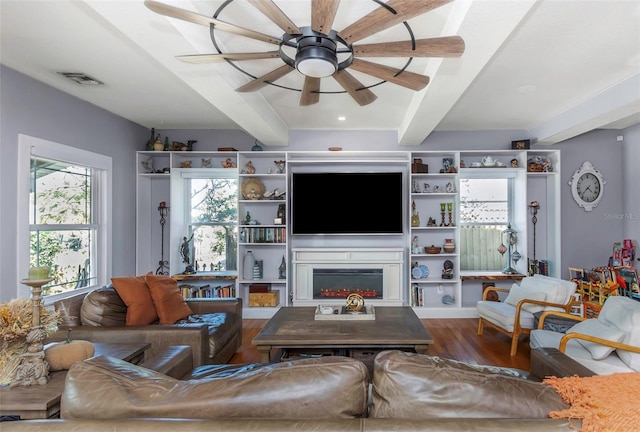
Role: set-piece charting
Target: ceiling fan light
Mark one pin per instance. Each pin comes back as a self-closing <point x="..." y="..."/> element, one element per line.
<point x="316" y="67"/>
<point x="316" y="57"/>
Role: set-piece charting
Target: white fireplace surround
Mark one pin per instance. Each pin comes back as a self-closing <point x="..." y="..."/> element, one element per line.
<point x="390" y="260"/>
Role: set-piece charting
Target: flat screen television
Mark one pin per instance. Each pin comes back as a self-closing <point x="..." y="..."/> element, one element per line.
<point x="347" y="203"/>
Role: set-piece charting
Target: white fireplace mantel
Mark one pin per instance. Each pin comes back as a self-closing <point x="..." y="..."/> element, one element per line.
<point x="390" y="260"/>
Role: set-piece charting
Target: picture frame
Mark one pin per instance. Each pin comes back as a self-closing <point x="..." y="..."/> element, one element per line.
<point x="521" y="145"/>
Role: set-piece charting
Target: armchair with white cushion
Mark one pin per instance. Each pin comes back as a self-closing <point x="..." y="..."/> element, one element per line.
<point x="607" y="344"/>
<point x="514" y="316"/>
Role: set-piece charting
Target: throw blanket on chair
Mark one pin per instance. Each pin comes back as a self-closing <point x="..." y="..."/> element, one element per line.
<point x="603" y="402"/>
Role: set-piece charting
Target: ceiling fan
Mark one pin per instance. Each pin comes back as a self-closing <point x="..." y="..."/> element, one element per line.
<point x="318" y="46"/>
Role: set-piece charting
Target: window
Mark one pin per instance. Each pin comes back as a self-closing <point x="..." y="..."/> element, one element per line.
<point x="485" y="212"/>
<point x="67" y="194"/>
<point x="212" y="223"/>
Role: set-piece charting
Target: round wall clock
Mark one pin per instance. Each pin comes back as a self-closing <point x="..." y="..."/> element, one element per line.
<point x="587" y="186"/>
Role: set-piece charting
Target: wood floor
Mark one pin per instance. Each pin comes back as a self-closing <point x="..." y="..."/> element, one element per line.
<point x="454" y="338"/>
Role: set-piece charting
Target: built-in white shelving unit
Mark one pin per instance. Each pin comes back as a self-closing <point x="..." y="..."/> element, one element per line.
<point x="267" y="234"/>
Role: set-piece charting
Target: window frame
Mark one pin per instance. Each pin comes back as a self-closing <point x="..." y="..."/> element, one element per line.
<point x="28" y="147"/>
<point x="512" y="179"/>
<point x="181" y="206"/>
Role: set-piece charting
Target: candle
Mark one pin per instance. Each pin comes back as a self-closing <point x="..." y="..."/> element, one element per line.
<point x="163" y="204"/>
<point x="39" y="273"/>
<point x="442" y="206"/>
<point x="450" y="206"/>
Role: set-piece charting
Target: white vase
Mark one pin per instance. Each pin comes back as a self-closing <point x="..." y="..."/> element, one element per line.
<point x="247" y="269"/>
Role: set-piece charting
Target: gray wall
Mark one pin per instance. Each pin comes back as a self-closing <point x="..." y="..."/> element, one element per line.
<point x="32" y="108"/>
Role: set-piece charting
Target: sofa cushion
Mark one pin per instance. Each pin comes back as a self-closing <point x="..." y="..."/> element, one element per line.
<point x="624" y="313"/>
<point x="135" y="294"/>
<point x="557" y="290"/>
<point x="222" y="327"/>
<point x="418" y="387"/>
<point x="167" y="298"/>
<point x="319" y="388"/>
<point x="103" y="307"/>
<point x="518" y="293"/>
<point x="502" y="315"/>
<point x="575" y="350"/>
<point x="69" y="310"/>
<point x="593" y="327"/>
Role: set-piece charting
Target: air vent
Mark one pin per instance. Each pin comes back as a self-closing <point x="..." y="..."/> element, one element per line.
<point x="81" y="78"/>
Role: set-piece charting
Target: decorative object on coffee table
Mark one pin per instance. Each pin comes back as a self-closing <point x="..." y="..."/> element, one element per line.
<point x="33" y="368"/>
<point x="355" y="303"/>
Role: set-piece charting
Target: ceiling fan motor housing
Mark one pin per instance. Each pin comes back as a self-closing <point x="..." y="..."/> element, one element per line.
<point x="316" y="55"/>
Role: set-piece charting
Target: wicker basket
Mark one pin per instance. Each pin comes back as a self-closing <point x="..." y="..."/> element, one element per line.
<point x="534" y="167"/>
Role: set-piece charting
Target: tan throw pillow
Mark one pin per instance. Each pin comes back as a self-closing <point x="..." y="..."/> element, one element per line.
<point x="135" y="294"/>
<point x="167" y="299"/>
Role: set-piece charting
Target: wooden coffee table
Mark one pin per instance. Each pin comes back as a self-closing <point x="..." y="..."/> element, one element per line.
<point x="43" y="401"/>
<point x="295" y="330"/>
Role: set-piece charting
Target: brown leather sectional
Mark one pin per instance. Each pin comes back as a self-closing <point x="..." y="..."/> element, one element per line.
<point x="214" y="331"/>
<point x="407" y="392"/>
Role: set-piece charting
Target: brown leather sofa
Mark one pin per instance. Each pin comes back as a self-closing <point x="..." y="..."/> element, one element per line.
<point x="214" y="331"/>
<point x="408" y="392"/>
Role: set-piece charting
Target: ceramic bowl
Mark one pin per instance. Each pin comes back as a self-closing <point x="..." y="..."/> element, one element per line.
<point x="432" y="249"/>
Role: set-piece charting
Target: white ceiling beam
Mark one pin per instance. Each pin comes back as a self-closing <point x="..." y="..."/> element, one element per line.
<point x="493" y="23"/>
<point x="613" y="104"/>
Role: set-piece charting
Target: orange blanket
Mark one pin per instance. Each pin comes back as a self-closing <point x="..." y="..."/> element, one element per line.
<point x="602" y="402"/>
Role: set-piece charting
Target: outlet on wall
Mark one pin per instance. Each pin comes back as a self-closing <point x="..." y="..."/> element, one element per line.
<point x="439" y="289"/>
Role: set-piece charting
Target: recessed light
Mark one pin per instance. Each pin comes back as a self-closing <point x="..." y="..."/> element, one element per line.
<point x="342" y="118"/>
<point x="81" y="78"/>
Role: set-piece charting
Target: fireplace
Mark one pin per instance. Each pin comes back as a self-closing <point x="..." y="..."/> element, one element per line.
<point x="328" y="276"/>
<point x="339" y="283"/>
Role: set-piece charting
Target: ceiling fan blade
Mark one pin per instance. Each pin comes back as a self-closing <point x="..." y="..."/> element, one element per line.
<point x="196" y="18"/>
<point x="381" y="18"/>
<point x="275" y="14"/>
<point x="310" y="91"/>
<point x="448" y="46"/>
<point x="323" y="12"/>
<point x="215" y="58"/>
<point x="260" y="82"/>
<point x="406" y="79"/>
<point x="363" y="96"/>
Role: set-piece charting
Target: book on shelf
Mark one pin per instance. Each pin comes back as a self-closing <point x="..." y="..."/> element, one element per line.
<point x="207" y="291"/>
<point x="264" y="235"/>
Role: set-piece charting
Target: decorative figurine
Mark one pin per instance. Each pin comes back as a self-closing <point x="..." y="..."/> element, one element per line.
<point x="249" y="168"/>
<point x="148" y="166"/>
<point x="282" y="270"/>
<point x="185" y="253"/>
<point x="447" y="271"/>
<point x="280" y="164"/>
<point x="415" y="249"/>
<point x="185" y="164"/>
<point x="228" y="163"/>
<point x="206" y="163"/>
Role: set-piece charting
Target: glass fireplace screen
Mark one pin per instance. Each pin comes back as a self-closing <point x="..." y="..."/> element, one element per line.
<point x="340" y="282"/>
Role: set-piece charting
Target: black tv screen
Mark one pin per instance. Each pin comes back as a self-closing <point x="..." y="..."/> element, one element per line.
<point x="347" y="203"/>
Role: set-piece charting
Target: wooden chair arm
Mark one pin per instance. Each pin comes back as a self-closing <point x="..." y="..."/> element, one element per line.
<point x="492" y="288"/>
<point x="558" y="314"/>
<point x="542" y="303"/>
<point x="566" y="338"/>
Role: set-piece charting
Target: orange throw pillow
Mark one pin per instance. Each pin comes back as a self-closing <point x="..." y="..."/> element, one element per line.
<point x="167" y="299"/>
<point x="135" y="294"/>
